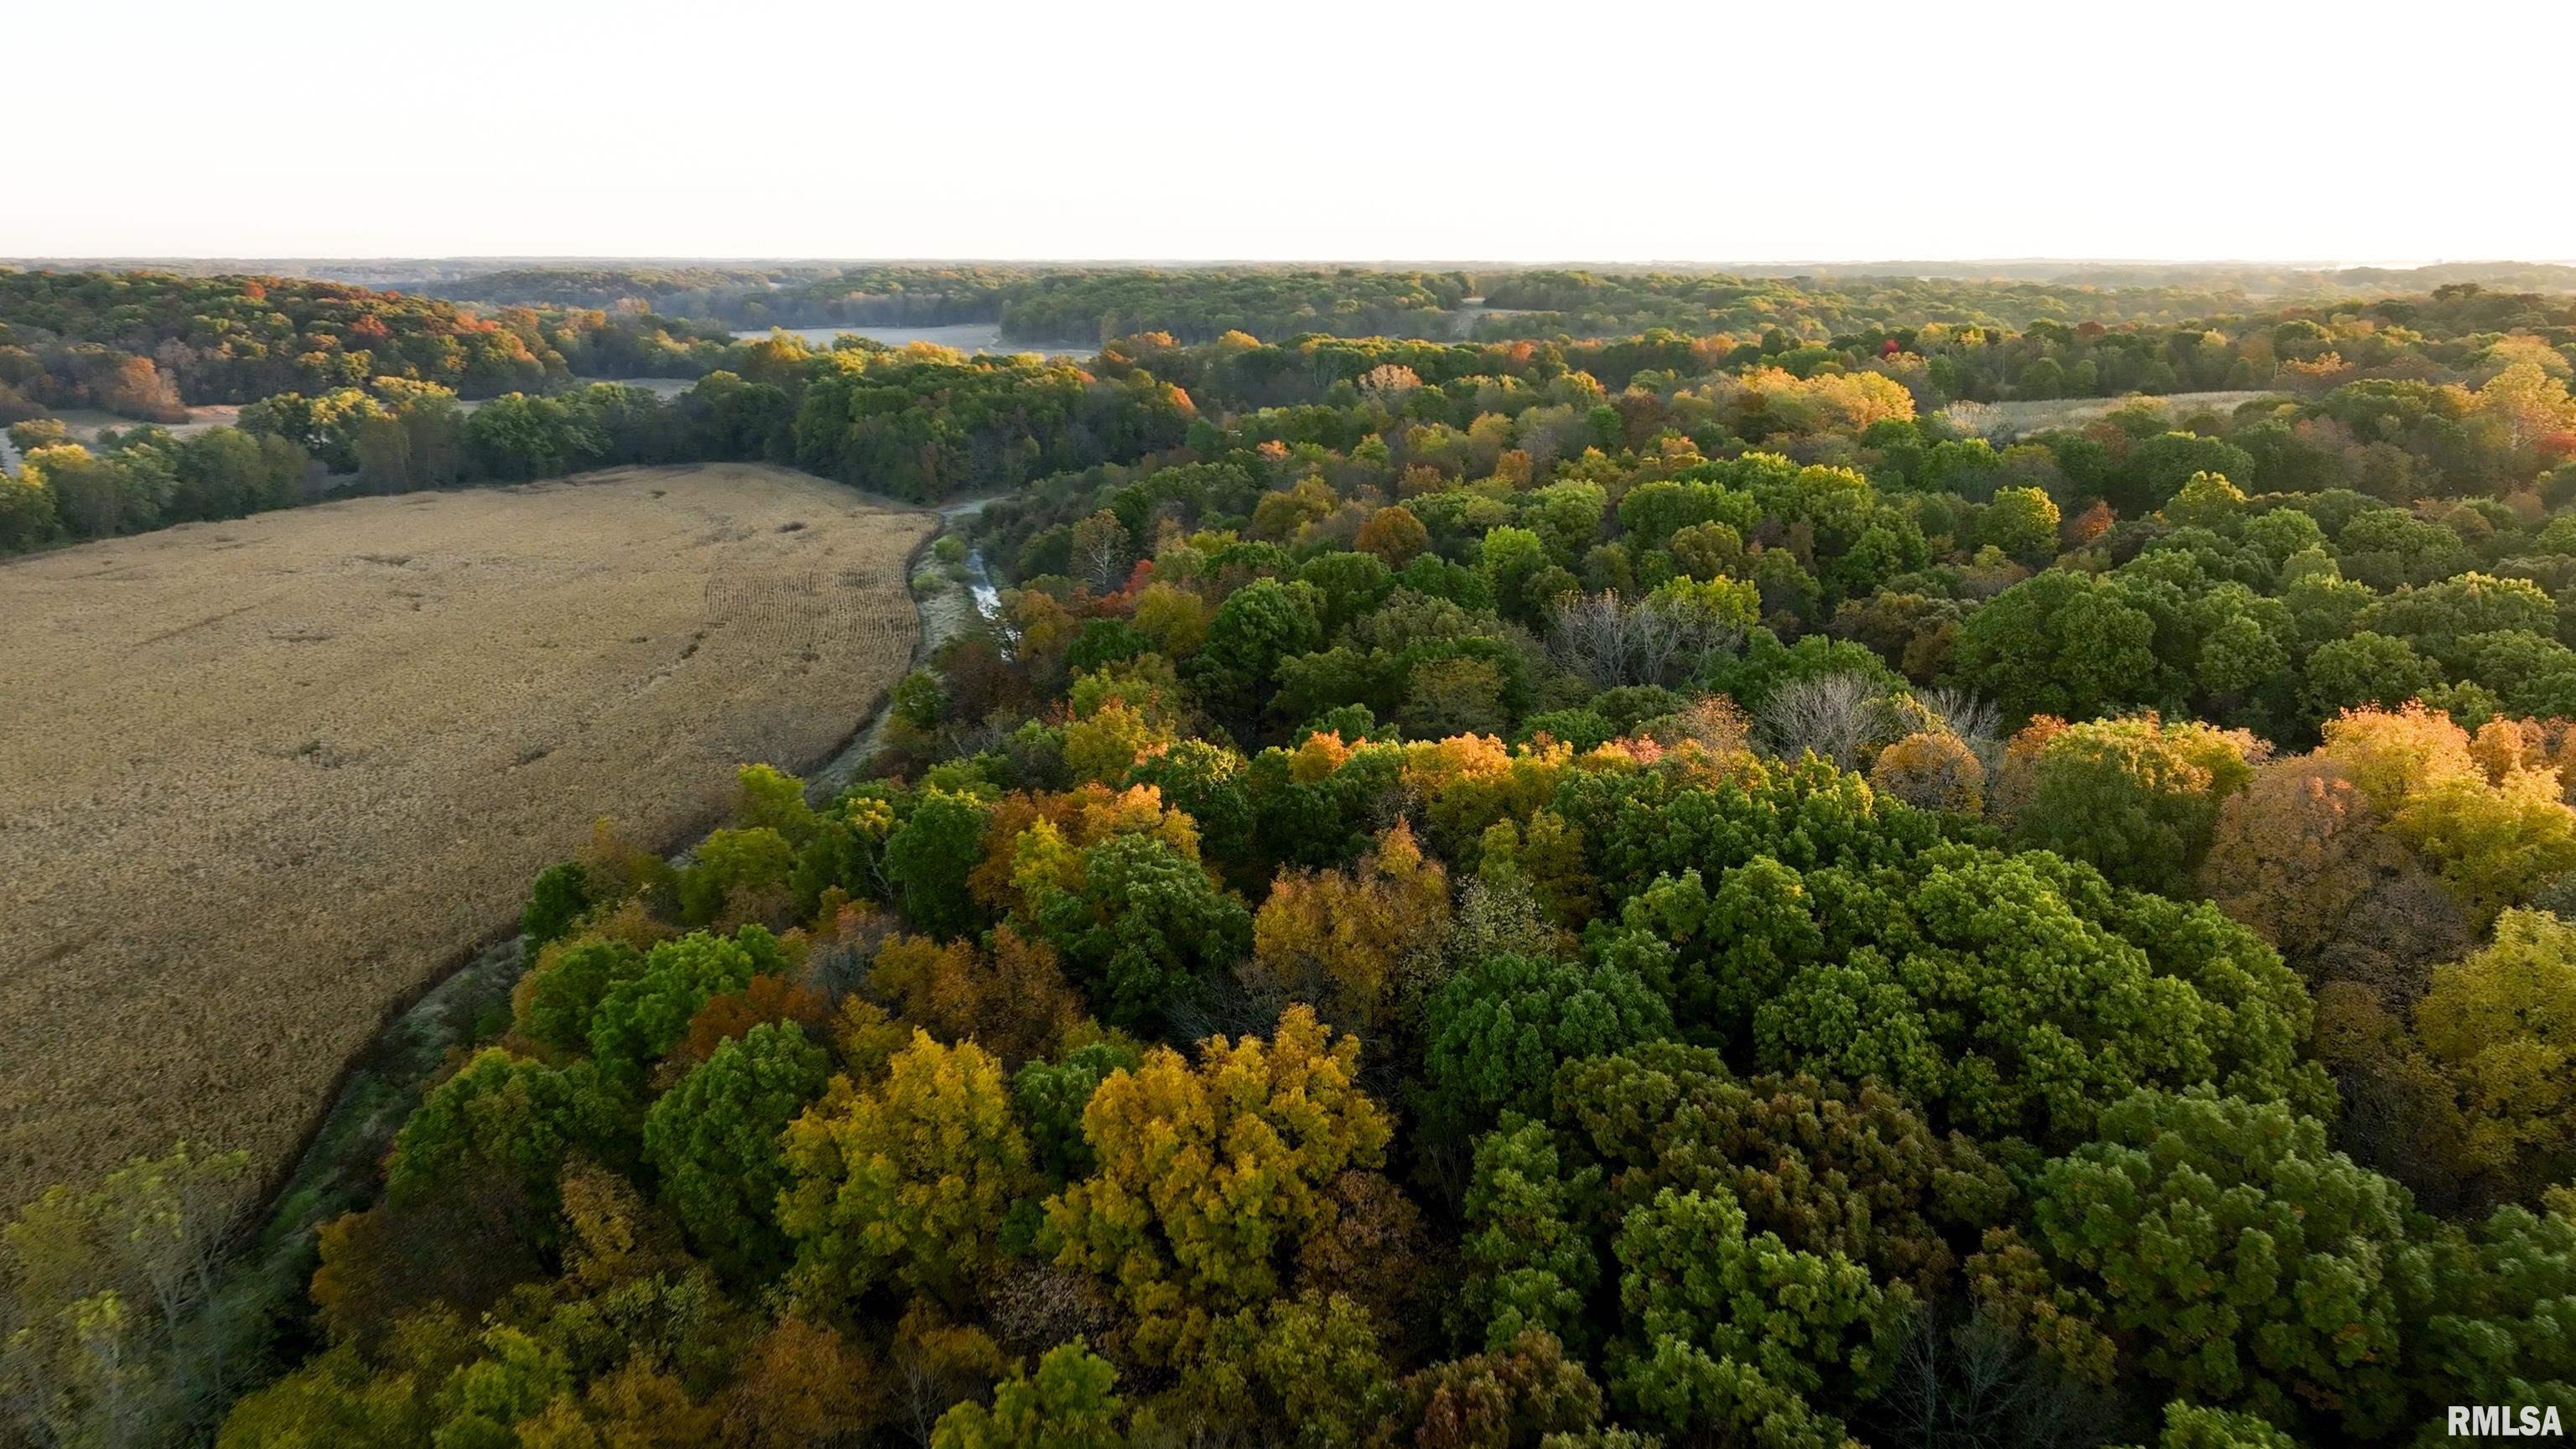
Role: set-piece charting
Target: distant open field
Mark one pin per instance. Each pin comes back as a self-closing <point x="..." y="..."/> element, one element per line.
<point x="85" y="424"/>
<point x="263" y="780"/>
<point x="964" y="336"/>
<point x="2037" y="414"/>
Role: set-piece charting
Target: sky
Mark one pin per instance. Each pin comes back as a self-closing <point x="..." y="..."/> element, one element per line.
<point x="1273" y="131"/>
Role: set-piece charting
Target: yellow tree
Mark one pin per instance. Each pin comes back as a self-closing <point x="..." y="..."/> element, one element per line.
<point x="2528" y="402"/>
<point x="1933" y="770"/>
<point x="1337" y="939"/>
<point x="1175" y="619"/>
<point x="1107" y="743"/>
<point x="907" y="1182"/>
<point x="2493" y="840"/>
<point x="1212" y="1177"/>
<point x="2503" y="1025"/>
<point x="1034" y="840"/>
<point x="1011" y="998"/>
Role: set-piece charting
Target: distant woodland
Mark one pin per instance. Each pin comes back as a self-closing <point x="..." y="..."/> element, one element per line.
<point x="1095" y="304"/>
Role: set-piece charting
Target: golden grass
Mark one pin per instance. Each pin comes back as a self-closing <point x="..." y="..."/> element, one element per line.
<point x="261" y="780"/>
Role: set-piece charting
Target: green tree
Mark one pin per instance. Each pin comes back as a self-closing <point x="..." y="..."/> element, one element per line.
<point x="2228" y="1255"/>
<point x="2365" y="669"/>
<point x="2022" y="522"/>
<point x="1069" y="1403"/>
<point x="559" y="897"/>
<point x="731" y="867"/>
<point x="1854" y="1171"/>
<point x="2061" y="643"/>
<point x="1729" y="1332"/>
<point x="1918" y="973"/>
<point x="2497" y="1309"/>
<point x="643" y="1016"/>
<point x="2135" y="798"/>
<point x="1258" y="625"/>
<point x="502" y="1118"/>
<point x="518" y="437"/>
<point x="511" y="1379"/>
<point x="1512" y="559"/>
<point x="555" y="1001"/>
<point x="1051" y="1097"/>
<point x="1310" y="1367"/>
<point x="2159" y="467"/>
<point x="715" y="1141"/>
<point x="1497" y="1030"/>
<point x="2206" y="500"/>
<point x="928" y="857"/>
<point x="2188" y="1426"/>
<point x="1528" y="1241"/>
<point x="1143" y="926"/>
<point x="332" y="1402"/>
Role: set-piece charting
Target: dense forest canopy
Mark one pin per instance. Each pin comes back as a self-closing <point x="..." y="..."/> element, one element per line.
<point x="147" y="345"/>
<point x="2371" y="394"/>
<point x="1758" y="881"/>
<point x="1057" y="304"/>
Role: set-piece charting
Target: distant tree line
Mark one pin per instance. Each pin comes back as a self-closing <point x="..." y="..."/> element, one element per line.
<point x="921" y="425"/>
<point x="1056" y="304"/>
<point x="147" y="345"/>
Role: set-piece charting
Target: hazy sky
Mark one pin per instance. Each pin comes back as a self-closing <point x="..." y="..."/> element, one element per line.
<point x="1220" y="128"/>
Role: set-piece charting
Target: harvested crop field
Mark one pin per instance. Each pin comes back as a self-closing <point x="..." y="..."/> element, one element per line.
<point x="262" y="780"/>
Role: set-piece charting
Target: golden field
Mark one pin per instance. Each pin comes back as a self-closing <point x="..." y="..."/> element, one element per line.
<point x="261" y="781"/>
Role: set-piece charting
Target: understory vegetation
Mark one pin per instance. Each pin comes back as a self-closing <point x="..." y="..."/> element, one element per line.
<point x="1690" y="889"/>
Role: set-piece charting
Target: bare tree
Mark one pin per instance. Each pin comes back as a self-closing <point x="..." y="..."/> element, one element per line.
<point x="1978" y="420"/>
<point x="1587" y="634"/>
<point x="1965" y="1382"/>
<point x="1837" y="716"/>
<point x="1963" y="714"/>
<point x="1664" y="639"/>
<point x="1975" y="723"/>
<point x="1100" y="546"/>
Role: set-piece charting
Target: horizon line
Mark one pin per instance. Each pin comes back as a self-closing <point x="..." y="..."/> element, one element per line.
<point x="784" y="259"/>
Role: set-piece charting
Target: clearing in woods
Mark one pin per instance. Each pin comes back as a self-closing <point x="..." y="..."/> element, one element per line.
<point x="262" y="780"/>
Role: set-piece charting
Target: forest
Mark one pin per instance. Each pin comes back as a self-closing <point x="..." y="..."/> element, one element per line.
<point x="1711" y="885"/>
<point x="146" y="345"/>
<point x="2365" y="393"/>
<point x="1059" y="304"/>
